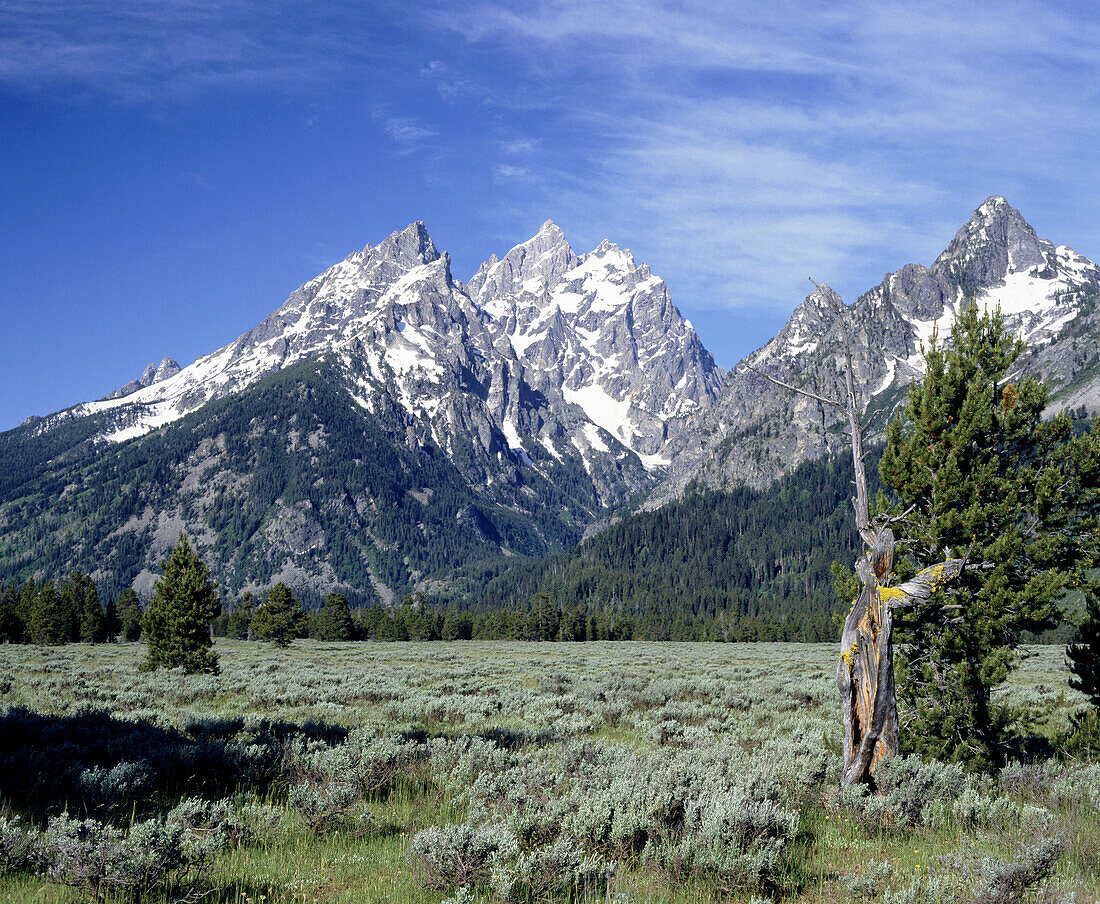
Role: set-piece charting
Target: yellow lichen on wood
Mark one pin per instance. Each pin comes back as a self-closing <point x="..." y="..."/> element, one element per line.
<point x="886" y="594"/>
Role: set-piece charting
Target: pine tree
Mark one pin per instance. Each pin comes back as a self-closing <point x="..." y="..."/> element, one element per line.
<point x="50" y="621"/>
<point x="92" y="625"/>
<point x="544" y="618"/>
<point x="112" y="622"/>
<point x="129" y="615"/>
<point x="334" y="621"/>
<point x="176" y="625"/>
<point x="24" y="609"/>
<point x="11" y="626"/>
<point x="982" y="476"/>
<point x="240" y="619"/>
<point x="279" y="618"/>
<point x="1084" y="653"/>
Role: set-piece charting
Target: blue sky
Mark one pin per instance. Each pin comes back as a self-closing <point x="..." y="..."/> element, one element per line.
<point x="171" y="171"/>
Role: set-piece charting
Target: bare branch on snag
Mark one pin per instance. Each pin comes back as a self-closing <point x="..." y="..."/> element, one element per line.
<point x="804" y="392"/>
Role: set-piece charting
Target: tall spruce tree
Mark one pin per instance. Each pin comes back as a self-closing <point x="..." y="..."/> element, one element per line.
<point x="176" y="625"/>
<point x="1084" y="653"/>
<point x="334" y="621"/>
<point x="85" y="602"/>
<point x="279" y="618"/>
<point x="982" y="476"/>
<point x="129" y="615"/>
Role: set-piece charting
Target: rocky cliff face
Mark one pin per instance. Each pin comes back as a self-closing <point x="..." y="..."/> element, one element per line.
<point x="389" y="424"/>
<point x="153" y="373"/>
<point x="756" y="430"/>
<point x="544" y="357"/>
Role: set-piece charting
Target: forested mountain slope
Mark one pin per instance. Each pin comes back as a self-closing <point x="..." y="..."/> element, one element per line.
<point x="754" y="562"/>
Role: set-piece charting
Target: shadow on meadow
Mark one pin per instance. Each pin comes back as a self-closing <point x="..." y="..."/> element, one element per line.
<point x="93" y="764"/>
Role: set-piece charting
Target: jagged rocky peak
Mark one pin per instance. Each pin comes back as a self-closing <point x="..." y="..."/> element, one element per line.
<point x="995" y="242"/>
<point x="809" y="324"/>
<point x="379" y="264"/>
<point x="153" y="373"/>
<point x="532" y="267"/>
<point x="611" y="256"/>
<point x="411" y="246"/>
<point x="168" y="367"/>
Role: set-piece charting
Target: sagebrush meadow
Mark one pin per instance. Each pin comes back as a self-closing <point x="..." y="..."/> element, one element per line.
<point x="510" y="771"/>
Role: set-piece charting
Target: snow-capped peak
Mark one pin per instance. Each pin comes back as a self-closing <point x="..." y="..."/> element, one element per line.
<point x="541" y="353"/>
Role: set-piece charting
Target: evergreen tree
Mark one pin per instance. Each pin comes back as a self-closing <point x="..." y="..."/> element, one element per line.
<point x="50" y="621"/>
<point x="456" y="625"/>
<point x="92" y="624"/>
<point x="279" y="618"/>
<point x="176" y="625"/>
<point x="240" y="619"/>
<point x="24" y="608"/>
<point x="129" y="615"/>
<point x="112" y="623"/>
<point x="371" y="622"/>
<point x="1084" y="654"/>
<point x="11" y="626"/>
<point x="334" y="621"/>
<point x="983" y="476"/>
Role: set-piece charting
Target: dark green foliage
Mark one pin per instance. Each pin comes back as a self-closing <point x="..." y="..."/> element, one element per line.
<point x="84" y="600"/>
<point x="379" y="506"/>
<point x="176" y="626"/>
<point x="11" y="627"/>
<point x="52" y="613"/>
<point x="456" y="625"/>
<point x="279" y="618"/>
<point x="112" y="624"/>
<point x="985" y="477"/>
<point x="740" y="564"/>
<point x="240" y="619"/>
<point x="129" y="615"/>
<point x="52" y="620"/>
<point x="334" y="621"/>
<point x="1084" y="653"/>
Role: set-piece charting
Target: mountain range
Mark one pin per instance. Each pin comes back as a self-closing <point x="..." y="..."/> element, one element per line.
<point x="389" y="423"/>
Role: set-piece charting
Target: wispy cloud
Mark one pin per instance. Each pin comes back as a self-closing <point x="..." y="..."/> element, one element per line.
<point x="137" y="51"/>
<point x="736" y="146"/>
<point x="761" y="142"/>
<point x="405" y="131"/>
<point x="520" y="146"/>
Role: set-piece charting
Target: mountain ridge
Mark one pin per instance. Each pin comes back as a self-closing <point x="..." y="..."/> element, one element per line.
<point x="517" y="410"/>
<point x="756" y="431"/>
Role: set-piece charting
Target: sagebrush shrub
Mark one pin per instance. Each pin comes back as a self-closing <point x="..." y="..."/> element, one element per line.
<point x="455" y="855"/>
<point x="99" y="859"/>
<point x="321" y="807"/>
<point x="20" y="848"/>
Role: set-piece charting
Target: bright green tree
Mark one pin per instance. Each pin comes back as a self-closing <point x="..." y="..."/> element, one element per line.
<point x="279" y="618"/>
<point x="981" y="475"/>
<point x="176" y="624"/>
<point x="334" y="621"/>
<point x="1084" y="653"/>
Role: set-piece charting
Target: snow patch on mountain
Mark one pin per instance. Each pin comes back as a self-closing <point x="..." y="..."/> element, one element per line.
<point x="541" y="350"/>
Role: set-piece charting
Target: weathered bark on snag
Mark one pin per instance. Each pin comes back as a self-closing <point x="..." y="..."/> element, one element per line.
<point x="865" y="672"/>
